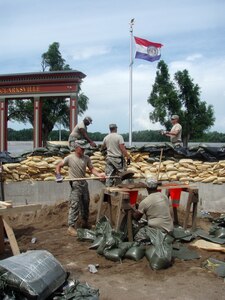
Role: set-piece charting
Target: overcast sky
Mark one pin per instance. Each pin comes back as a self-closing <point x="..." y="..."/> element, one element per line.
<point x="94" y="38"/>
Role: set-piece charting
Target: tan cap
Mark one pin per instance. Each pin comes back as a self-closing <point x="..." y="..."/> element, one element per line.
<point x="112" y="126"/>
<point x="174" y="117"/>
<point x="89" y="119"/>
<point x="80" y="143"/>
<point x="151" y="183"/>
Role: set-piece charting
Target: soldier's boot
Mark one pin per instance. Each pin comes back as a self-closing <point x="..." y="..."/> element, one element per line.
<point x="71" y="231"/>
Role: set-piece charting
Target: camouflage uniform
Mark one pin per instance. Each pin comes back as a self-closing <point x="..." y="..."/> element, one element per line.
<point x="79" y="196"/>
<point x="79" y="200"/>
<point x="114" y="165"/>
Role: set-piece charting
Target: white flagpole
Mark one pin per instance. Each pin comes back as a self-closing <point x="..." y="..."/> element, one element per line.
<point x="130" y="85"/>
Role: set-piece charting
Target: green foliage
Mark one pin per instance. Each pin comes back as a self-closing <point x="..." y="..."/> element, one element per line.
<point x="145" y="136"/>
<point x="180" y="97"/>
<point x="20" y="135"/>
<point x="53" y="60"/>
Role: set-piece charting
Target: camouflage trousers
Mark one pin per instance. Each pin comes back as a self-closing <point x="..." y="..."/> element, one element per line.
<point x="114" y="165"/>
<point x="79" y="200"/>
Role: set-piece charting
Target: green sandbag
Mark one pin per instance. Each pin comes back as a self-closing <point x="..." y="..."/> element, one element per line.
<point x="96" y="242"/>
<point x="157" y="259"/>
<point x="184" y="253"/>
<point x="159" y="254"/>
<point x="85" y="234"/>
<point x="110" y="240"/>
<point x="115" y="254"/>
<point x="216" y="266"/>
<point x="136" y="252"/>
<point x="208" y="237"/>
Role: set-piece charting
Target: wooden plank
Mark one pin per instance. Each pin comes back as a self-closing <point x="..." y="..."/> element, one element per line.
<point x="6" y="204"/>
<point x="100" y="205"/>
<point x="19" y="209"/>
<point x="129" y="226"/>
<point x="11" y="236"/>
<point x="181" y="186"/>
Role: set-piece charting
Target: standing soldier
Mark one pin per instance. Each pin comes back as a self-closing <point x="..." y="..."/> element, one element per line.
<point x="175" y="133"/>
<point x="116" y="151"/>
<point x="79" y="196"/>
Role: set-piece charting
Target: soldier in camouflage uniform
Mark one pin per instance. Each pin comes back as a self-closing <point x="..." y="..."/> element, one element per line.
<point x="79" y="196"/>
<point x="116" y="152"/>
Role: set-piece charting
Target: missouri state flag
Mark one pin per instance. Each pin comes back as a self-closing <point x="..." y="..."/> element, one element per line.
<point x="147" y="50"/>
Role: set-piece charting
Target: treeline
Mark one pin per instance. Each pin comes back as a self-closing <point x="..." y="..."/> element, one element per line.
<point x="137" y="136"/>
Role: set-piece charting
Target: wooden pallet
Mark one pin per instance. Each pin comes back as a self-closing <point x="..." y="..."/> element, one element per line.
<point x="6" y="210"/>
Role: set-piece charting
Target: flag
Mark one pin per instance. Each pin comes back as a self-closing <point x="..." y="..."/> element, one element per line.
<point x="147" y="50"/>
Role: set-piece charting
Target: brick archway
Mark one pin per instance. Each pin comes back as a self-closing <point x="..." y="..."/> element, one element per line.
<point x="37" y="86"/>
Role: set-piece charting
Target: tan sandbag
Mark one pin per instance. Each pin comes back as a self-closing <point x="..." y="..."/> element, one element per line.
<point x="209" y="179"/>
<point x="153" y="170"/>
<point x="197" y="179"/>
<point x="22" y="168"/>
<point x="33" y="170"/>
<point x="221" y="179"/>
<point x="49" y="178"/>
<point x="42" y="165"/>
<point x="36" y="158"/>
<point x="182" y="174"/>
<point x="168" y="162"/>
<point x="170" y="167"/>
<point x="186" y="160"/>
<point x="11" y="166"/>
<point x="57" y="161"/>
<point x="145" y="168"/>
<point x="15" y="176"/>
<point x="6" y="169"/>
<point x="30" y="163"/>
<point x="49" y="159"/>
<point x="202" y="244"/>
<point x="182" y="169"/>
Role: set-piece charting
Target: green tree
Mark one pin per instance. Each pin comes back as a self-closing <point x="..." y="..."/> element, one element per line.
<point x="180" y="97"/>
<point x="54" y="109"/>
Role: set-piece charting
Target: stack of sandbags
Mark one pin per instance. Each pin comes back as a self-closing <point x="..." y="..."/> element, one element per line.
<point x="183" y="170"/>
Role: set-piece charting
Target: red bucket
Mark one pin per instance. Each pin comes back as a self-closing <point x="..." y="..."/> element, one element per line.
<point x="175" y="196"/>
<point x="133" y="197"/>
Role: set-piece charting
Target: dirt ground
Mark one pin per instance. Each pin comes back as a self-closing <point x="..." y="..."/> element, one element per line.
<point x="127" y="280"/>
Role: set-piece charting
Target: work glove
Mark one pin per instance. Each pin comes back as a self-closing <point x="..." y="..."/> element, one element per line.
<point x="59" y="178"/>
<point x="128" y="161"/>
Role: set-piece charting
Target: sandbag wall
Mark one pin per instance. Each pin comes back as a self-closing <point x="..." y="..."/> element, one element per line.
<point x="42" y="168"/>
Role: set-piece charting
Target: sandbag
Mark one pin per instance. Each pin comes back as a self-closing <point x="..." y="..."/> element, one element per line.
<point x="96" y="243"/>
<point x="84" y="234"/>
<point x="78" y="290"/>
<point x="159" y="254"/>
<point x="34" y="274"/>
<point x="136" y="252"/>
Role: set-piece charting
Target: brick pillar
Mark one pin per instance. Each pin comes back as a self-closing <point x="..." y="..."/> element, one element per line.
<point x="73" y="111"/>
<point x="3" y="124"/>
<point x="37" y="122"/>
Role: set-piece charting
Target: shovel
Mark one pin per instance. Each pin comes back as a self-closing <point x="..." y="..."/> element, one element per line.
<point x="121" y="175"/>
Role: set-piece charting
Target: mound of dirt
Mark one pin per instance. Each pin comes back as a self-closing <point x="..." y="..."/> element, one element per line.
<point x="126" y="280"/>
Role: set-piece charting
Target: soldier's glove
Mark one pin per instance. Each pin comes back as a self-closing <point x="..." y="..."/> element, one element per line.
<point x="128" y="161"/>
<point x="59" y="178"/>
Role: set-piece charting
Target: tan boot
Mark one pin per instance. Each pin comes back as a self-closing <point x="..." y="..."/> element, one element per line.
<point x="72" y="231"/>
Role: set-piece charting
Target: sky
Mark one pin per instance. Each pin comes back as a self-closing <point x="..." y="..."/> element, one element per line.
<point x="94" y="38"/>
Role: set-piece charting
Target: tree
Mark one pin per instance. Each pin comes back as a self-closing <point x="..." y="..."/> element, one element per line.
<point x="54" y="109"/>
<point x="180" y="97"/>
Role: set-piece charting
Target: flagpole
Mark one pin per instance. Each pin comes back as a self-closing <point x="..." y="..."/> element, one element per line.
<point x="130" y="82"/>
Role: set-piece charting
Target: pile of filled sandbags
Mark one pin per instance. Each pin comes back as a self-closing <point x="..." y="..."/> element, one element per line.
<point x="41" y="168"/>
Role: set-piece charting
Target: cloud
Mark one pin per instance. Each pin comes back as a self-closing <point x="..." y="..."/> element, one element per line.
<point x="89" y="52"/>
